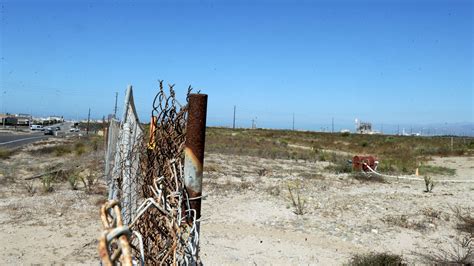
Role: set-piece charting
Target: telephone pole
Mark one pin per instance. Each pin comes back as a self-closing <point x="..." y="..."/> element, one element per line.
<point x="332" y="129"/>
<point x="293" y="121"/>
<point x="233" y="124"/>
<point x="115" y="108"/>
<point x="88" y="121"/>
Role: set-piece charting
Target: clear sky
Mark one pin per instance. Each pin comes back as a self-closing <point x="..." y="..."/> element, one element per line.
<point x="391" y="62"/>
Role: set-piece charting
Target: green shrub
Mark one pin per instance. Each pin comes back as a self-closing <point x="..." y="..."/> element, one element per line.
<point x="47" y="181"/>
<point x="376" y="259"/>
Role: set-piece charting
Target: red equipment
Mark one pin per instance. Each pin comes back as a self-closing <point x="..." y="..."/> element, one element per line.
<point x="360" y="163"/>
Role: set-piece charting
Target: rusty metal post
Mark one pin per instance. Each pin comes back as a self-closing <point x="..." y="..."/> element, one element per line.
<point x="194" y="149"/>
<point x="193" y="162"/>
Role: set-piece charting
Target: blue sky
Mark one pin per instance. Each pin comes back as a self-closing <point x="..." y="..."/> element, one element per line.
<point x="388" y="62"/>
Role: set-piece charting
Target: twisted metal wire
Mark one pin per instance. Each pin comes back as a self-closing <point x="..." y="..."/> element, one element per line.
<point x="162" y="219"/>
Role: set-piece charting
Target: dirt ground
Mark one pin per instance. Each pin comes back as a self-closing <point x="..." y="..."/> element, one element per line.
<point x="248" y="216"/>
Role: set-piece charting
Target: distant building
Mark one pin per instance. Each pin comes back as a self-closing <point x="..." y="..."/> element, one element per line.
<point x="22" y="120"/>
<point x="15" y="120"/>
<point x="363" y="127"/>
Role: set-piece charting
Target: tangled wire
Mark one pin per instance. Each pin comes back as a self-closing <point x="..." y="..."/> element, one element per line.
<point x="147" y="189"/>
<point x="162" y="219"/>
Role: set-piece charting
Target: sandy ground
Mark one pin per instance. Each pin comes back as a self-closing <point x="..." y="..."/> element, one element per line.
<point x="46" y="227"/>
<point x="248" y="217"/>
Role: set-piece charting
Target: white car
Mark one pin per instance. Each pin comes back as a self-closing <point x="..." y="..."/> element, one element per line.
<point x="74" y="129"/>
<point x="37" y="127"/>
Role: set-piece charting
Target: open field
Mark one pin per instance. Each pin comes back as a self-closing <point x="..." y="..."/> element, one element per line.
<point x="273" y="197"/>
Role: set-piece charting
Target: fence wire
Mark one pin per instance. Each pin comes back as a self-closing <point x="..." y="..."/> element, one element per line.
<point x="126" y="171"/>
<point x="148" y="181"/>
<point x="112" y="140"/>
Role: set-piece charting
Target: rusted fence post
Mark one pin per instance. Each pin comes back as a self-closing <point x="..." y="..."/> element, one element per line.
<point x="194" y="151"/>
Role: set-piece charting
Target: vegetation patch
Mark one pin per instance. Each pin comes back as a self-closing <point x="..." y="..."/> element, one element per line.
<point x="6" y="153"/>
<point x="396" y="154"/>
<point x="373" y="259"/>
<point x="436" y="170"/>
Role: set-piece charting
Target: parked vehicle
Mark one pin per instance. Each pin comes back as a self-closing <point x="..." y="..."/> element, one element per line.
<point x="37" y="127"/>
<point x="57" y="128"/>
<point x="49" y="132"/>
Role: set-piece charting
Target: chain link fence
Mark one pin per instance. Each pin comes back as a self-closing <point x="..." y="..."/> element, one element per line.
<point x="145" y="174"/>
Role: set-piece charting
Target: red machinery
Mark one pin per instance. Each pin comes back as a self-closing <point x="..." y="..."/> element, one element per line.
<point x="360" y="163"/>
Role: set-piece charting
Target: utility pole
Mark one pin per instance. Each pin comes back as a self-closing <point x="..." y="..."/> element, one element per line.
<point x="115" y="108"/>
<point x="293" y="121"/>
<point x="332" y="128"/>
<point x="233" y="123"/>
<point x="88" y="120"/>
<point x="398" y="130"/>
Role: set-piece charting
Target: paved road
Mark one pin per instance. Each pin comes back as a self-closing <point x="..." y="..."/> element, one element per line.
<point x="10" y="140"/>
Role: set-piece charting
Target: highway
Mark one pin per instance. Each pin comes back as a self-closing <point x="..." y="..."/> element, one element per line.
<point x="8" y="140"/>
<point x="14" y="140"/>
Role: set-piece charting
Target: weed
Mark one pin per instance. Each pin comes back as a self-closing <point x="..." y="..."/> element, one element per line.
<point x="397" y="220"/>
<point x="72" y="179"/>
<point x="294" y="189"/>
<point x="429" y="183"/>
<point x="431" y="213"/>
<point x="88" y="181"/>
<point x="465" y="220"/>
<point x="47" y="181"/>
<point x="245" y="185"/>
<point x="339" y="164"/>
<point x="273" y="190"/>
<point x="461" y="253"/>
<point x="373" y="259"/>
<point x="30" y="188"/>
<point x="262" y="172"/>
<point x="404" y="222"/>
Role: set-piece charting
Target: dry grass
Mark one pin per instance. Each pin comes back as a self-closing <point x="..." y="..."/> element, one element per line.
<point x="297" y="200"/>
<point x="460" y="253"/>
<point x="78" y="147"/>
<point x="6" y="153"/>
<point x="465" y="220"/>
<point x="397" y="154"/>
